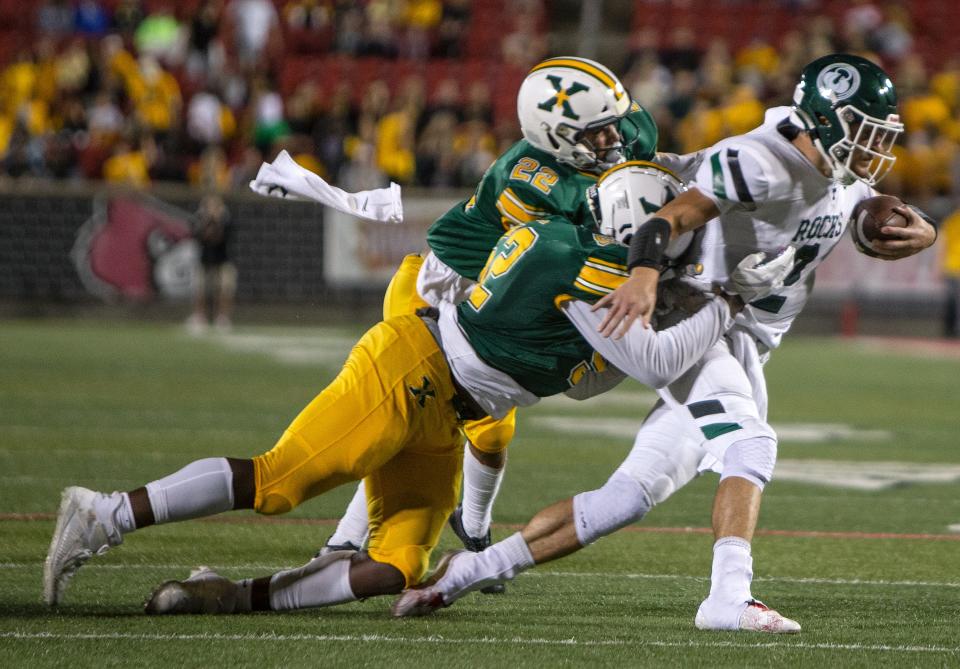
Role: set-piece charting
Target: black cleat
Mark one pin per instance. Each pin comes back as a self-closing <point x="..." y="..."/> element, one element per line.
<point x="331" y="548"/>
<point x="474" y="545"/>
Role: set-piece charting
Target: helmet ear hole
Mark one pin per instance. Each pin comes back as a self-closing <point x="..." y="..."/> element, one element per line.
<point x="550" y="138"/>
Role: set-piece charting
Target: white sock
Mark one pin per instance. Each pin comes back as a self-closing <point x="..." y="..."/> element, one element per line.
<point x="115" y="514"/>
<point x="202" y="488"/>
<point x="729" y="582"/>
<point x="480" y="486"/>
<point x="353" y="526"/>
<point x="503" y="561"/>
<point x="318" y="583"/>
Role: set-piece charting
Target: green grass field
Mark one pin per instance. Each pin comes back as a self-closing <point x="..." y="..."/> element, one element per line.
<point x="854" y="537"/>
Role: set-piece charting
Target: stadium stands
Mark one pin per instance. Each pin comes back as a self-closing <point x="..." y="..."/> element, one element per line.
<point x="705" y="68"/>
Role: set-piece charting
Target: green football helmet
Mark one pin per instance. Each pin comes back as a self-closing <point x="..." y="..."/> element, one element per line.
<point x="848" y="106"/>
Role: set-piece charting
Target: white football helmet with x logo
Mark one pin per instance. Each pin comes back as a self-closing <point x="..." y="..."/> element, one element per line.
<point x="564" y="98"/>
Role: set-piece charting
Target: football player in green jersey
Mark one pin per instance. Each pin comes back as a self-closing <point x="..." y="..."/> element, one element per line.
<point x="413" y="380"/>
<point x="577" y="121"/>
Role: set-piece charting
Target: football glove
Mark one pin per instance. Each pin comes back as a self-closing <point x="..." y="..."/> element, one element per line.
<point x="756" y="277"/>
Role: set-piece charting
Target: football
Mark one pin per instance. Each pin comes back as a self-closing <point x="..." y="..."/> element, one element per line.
<point x="869" y="216"/>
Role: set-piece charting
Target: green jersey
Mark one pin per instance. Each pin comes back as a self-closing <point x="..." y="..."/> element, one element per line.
<point x="523" y="185"/>
<point x="513" y="318"/>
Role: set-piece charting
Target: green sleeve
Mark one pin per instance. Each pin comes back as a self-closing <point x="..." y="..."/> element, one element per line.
<point x="640" y="134"/>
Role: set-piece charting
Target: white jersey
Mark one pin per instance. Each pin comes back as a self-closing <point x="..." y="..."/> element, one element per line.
<point x="770" y="196"/>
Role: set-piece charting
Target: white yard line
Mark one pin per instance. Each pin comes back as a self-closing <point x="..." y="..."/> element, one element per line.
<point x="485" y="640"/>
<point x="608" y="576"/>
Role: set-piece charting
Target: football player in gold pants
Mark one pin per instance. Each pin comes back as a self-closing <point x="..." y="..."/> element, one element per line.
<point x="389" y="418"/>
<point x="483" y="460"/>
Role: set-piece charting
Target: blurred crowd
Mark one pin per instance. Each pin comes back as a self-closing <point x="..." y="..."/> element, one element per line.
<point x="198" y="92"/>
<point x="192" y="92"/>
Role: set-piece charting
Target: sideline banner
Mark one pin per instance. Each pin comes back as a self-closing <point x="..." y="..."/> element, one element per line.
<point x="362" y="254"/>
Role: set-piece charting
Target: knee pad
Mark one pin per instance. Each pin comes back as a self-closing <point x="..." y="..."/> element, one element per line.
<point x="752" y="459"/>
<point x="411" y="561"/>
<point x="662" y="473"/>
<point x="491" y="435"/>
<point x="621" y="501"/>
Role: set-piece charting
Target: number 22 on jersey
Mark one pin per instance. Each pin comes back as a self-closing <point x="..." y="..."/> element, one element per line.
<point x="507" y="252"/>
<point x="530" y="171"/>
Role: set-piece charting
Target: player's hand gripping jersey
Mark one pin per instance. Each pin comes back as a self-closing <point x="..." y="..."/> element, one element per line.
<point x="771" y="196"/>
<point x="523" y="185"/>
<point x="528" y="317"/>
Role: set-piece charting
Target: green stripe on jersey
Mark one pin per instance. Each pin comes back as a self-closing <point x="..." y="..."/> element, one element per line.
<point x="718" y="185"/>
<point x="714" y="430"/>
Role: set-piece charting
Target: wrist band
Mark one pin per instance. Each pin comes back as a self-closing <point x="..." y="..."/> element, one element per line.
<point x="648" y="244"/>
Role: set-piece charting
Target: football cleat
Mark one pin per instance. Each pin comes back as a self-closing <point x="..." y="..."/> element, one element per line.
<point x="757" y="617"/>
<point x="79" y="536"/>
<point x="425" y="598"/>
<point x="474" y="545"/>
<point x="328" y="548"/>
<point x="205" y="591"/>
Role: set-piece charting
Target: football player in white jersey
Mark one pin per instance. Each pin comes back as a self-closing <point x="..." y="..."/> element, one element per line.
<point x="791" y="182"/>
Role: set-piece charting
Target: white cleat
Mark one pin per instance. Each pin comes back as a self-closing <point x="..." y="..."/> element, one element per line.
<point x="424" y="599"/>
<point x="757" y="617"/>
<point x="205" y="591"/>
<point x="77" y="538"/>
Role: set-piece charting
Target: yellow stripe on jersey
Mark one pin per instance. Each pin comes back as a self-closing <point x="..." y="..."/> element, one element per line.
<point x="583" y="66"/>
<point x="562" y="299"/>
<point x="600" y="277"/>
<point x="515" y="211"/>
<point x="618" y="268"/>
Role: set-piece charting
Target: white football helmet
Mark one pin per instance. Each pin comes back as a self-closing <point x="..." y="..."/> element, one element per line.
<point x="629" y="194"/>
<point x="561" y="99"/>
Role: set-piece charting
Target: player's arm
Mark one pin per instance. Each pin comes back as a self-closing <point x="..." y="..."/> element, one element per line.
<point x="731" y="176"/>
<point x="658" y="358"/>
<point x="637" y="297"/>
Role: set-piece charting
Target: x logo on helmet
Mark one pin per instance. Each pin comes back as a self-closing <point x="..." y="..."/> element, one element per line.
<point x="561" y="99"/>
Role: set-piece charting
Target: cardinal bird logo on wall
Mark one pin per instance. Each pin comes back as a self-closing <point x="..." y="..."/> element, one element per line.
<point x="136" y="248"/>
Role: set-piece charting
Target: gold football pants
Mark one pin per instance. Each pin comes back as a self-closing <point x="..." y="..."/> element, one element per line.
<point x="489" y="435"/>
<point x="387" y="418"/>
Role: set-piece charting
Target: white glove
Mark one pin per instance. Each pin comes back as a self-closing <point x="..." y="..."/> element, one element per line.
<point x="756" y="277"/>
